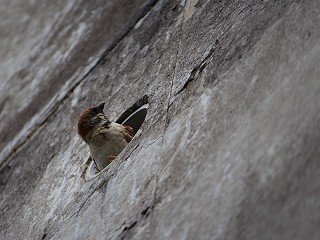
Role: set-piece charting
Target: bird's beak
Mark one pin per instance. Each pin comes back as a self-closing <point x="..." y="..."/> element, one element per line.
<point x="100" y="107"/>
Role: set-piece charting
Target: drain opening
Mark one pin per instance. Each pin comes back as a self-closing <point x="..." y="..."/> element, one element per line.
<point x="133" y="117"/>
<point x="136" y="119"/>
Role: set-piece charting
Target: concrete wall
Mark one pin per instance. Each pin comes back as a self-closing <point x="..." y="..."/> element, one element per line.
<point x="230" y="145"/>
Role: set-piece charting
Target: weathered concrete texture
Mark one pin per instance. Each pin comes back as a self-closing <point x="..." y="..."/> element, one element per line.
<point x="229" y="148"/>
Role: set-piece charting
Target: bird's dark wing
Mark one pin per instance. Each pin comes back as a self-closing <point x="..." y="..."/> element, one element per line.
<point x="128" y="133"/>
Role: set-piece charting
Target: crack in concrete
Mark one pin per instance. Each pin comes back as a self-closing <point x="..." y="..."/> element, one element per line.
<point x="53" y="107"/>
<point x="197" y="71"/>
<point x="125" y="232"/>
<point x="128" y="231"/>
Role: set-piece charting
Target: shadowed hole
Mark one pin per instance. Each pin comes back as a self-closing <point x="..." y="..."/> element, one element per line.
<point x="133" y="117"/>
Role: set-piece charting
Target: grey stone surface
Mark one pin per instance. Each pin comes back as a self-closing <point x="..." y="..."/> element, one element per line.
<point x="229" y="148"/>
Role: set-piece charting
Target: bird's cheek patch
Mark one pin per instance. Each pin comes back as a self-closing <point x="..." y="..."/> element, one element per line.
<point x="94" y="121"/>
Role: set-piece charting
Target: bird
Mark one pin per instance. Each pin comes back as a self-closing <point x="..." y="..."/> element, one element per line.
<point x="105" y="139"/>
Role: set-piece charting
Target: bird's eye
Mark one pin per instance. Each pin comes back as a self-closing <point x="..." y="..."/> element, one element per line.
<point x="93" y="113"/>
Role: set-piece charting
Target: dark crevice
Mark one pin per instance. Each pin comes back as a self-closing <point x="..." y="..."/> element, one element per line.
<point x="129" y="231"/>
<point x="196" y="71"/>
<point x="146" y="212"/>
<point x="126" y="232"/>
<point x="127" y="228"/>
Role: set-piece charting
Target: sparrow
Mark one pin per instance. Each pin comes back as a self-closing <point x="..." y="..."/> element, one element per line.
<point x="105" y="139"/>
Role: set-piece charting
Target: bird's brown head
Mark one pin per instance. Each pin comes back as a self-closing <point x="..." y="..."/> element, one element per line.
<point x="89" y="119"/>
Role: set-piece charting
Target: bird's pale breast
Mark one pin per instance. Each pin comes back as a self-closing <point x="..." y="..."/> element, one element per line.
<point x="105" y="142"/>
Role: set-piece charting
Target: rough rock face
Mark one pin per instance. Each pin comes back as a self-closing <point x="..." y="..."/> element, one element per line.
<point x="230" y="145"/>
